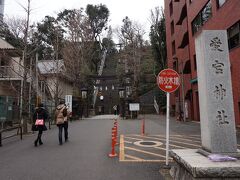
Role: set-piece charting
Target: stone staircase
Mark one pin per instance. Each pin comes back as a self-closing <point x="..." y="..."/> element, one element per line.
<point x="109" y="87"/>
<point x="147" y="103"/>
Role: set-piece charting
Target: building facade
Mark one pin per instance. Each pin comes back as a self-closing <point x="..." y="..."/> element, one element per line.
<point x="11" y="78"/>
<point x="52" y="74"/>
<point x="185" y="19"/>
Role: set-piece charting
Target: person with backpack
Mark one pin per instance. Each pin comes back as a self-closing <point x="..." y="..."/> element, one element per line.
<point x="39" y="118"/>
<point x="61" y="115"/>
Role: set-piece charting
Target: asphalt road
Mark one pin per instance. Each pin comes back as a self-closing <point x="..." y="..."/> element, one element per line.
<point x="85" y="156"/>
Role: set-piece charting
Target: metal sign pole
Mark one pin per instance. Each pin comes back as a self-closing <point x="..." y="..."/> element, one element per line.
<point x="167" y="130"/>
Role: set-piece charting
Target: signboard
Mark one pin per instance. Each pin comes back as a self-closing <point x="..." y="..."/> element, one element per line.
<point x="134" y="106"/>
<point x="168" y="80"/>
<point x="68" y="102"/>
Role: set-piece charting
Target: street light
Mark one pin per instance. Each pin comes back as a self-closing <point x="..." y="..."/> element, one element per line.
<point x="101" y="107"/>
<point x="84" y="92"/>
<point x="121" y="91"/>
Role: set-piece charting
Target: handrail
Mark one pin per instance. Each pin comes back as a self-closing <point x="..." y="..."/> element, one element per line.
<point x="156" y="106"/>
<point x="100" y="71"/>
<point x="18" y="127"/>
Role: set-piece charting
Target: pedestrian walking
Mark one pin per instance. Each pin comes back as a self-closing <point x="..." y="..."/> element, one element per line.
<point x="65" y="127"/>
<point x="115" y="109"/>
<point x="61" y="117"/>
<point x="39" y="118"/>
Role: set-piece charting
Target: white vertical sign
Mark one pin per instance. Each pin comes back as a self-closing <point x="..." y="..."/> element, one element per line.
<point x="68" y="102"/>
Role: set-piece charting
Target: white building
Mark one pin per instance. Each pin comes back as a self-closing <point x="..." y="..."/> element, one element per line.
<point x="53" y="73"/>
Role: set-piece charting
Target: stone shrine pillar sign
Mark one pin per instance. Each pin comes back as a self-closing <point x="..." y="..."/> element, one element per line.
<point x="218" y="131"/>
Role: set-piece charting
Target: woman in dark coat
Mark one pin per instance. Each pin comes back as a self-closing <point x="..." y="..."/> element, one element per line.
<point x="40" y="113"/>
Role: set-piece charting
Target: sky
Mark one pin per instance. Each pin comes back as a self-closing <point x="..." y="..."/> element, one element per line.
<point x="136" y="10"/>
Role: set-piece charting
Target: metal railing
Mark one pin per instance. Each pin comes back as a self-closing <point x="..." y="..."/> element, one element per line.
<point x="156" y="106"/>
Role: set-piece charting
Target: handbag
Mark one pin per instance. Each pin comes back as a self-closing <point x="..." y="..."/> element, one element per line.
<point x="39" y="122"/>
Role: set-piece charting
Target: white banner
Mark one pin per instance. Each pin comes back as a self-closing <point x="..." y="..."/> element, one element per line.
<point x="68" y="102"/>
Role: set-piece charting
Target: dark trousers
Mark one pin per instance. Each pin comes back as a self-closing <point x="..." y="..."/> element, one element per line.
<point x="66" y="130"/>
<point x="39" y="137"/>
<point x="61" y="127"/>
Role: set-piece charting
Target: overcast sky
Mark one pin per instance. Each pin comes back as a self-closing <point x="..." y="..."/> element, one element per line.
<point x="136" y="10"/>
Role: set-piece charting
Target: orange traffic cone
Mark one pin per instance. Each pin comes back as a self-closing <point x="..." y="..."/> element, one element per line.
<point x="113" y="153"/>
<point x="116" y="126"/>
<point x="143" y="127"/>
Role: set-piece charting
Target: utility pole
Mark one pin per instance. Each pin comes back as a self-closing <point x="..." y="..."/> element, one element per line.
<point x="57" y="83"/>
<point x="30" y="89"/>
<point x="21" y="102"/>
<point x="36" y="82"/>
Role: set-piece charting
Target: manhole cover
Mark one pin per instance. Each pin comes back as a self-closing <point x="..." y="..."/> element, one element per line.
<point x="148" y="143"/>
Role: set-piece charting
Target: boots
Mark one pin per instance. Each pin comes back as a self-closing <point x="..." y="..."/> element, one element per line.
<point x="38" y="140"/>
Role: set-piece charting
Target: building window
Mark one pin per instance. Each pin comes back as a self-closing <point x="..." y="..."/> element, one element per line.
<point x="234" y="35"/>
<point x="171" y="8"/>
<point x="220" y="3"/>
<point x="195" y="62"/>
<point x="2" y="62"/>
<point x="206" y="12"/>
<point x="239" y="107"/>
<point x="196" y="24"/>
<point x="173" y="48"/>
<point x="202" y="17"/>
<point x="172" y="28"/>
<point x="175" y="64"/>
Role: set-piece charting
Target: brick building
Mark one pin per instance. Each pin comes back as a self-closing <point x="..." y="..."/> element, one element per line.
<point x="185" y="19"/>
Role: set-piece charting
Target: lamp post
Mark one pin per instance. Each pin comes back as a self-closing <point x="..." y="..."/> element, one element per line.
<point x="84" y="94"/>
<point x="102" y="104"/>
<point x="121" y="91"/>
